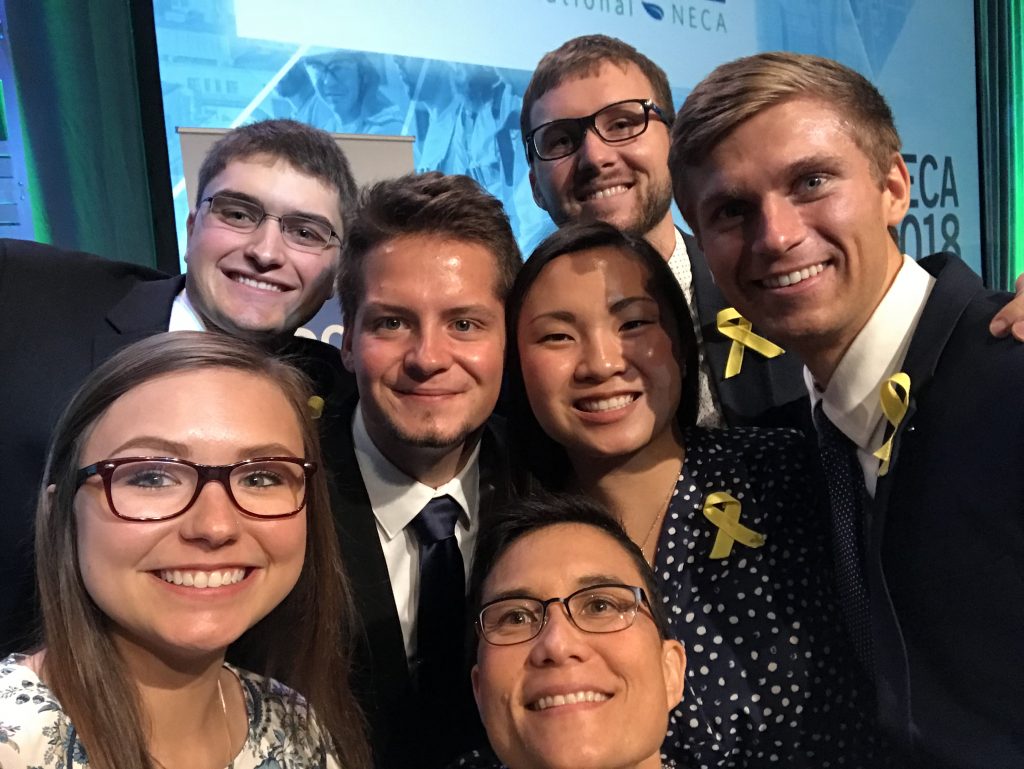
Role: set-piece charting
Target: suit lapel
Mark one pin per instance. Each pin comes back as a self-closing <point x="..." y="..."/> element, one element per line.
<point x="143" y="312"/>
<point x="382" y="675"/>
<point x="365" y="564"/>
<point x="762" y="384"/>
<point x="495" y="475"/>
<point x="952" y="293"/>
<point x="954" y="288"/>
<point x="708" y="301"/>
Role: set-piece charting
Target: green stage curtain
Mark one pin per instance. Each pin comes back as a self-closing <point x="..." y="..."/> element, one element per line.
<point x="78" y="90"/>
<point x="1000" y="38"/>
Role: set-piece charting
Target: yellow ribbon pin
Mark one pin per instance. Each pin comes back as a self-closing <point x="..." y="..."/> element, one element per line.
<point x="723" y="510"/>
<point x="895" y="397"/>
<point x="316" y="406"/>
<point x="737" y="328"/>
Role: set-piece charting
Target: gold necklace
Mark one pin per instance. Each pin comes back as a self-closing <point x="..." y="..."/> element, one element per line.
<point x="227" y="730"/>
<point x="227" y="723"/>
<point x="659" y="513"/>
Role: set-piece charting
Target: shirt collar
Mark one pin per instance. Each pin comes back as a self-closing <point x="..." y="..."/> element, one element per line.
<point x="183" y="315"/>
<point x="851" y="400"/>
<point x="396" y="498"/>
<point x="679" y="263"/>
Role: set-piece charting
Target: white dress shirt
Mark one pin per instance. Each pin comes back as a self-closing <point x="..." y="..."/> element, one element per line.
<point x="709" y="412"/>
<point x="396" y="499"/>
<point x="183" y="315"/>
<point x="851" y="400"/>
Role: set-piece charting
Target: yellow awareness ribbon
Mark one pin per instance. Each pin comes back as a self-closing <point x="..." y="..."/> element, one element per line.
<point x="737" y="328"/>
<point x="723" y="510"/>
<point x="316" y="406"/>
<point x="895" y="397"/>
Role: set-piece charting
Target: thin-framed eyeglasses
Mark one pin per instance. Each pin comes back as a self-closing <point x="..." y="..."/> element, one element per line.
<point x="299" y="232"/>
<point x="605" y="608"/>
<point x="159" y="488"/>
<point x="618" y="122"/>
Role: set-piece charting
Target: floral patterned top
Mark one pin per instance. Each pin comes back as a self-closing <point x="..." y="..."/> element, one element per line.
<point x="35" y="733"/>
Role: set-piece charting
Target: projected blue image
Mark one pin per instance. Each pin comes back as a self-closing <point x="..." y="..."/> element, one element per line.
<point x="465" y="117"/>
<point x="299" y="60"/>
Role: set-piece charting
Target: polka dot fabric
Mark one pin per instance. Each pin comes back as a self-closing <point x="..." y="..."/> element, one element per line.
<point x="771" y="677"/>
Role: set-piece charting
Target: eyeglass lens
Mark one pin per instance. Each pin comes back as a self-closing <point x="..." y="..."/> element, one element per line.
<point x="602" y="609"/>
<point x="244" y="216"/>
<point x="150" y="489"/>
<point x="615" y="123"/>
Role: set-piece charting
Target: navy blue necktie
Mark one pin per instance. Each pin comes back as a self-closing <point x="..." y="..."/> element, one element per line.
<point x="441" y="612"/>
<point x="847" y="492"/>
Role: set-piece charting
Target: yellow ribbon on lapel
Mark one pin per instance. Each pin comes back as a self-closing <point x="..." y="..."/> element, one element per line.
<point x="737" y="328"/>
<point x="894" y="405"/>
<point x="316" y="406"/>
<point x="723" y="510"/>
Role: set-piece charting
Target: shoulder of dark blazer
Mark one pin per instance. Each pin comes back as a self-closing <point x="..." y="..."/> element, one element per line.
<point x="496" y="488"/>
<point x="29" y="261"/>
<point x="321" y="362"/>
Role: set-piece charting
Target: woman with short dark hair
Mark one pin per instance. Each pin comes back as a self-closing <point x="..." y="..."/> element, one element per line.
<point x="575" y="666"/>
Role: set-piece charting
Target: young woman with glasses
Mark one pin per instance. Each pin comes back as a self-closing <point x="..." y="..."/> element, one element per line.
<point x="184" y="509"/>
<point x="601" y="376"/>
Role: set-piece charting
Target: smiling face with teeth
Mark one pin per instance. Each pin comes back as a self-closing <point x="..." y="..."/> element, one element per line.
<point x="626" y="184"/>
<point x="600" y="366"/>
<point x="797" y="236"/>
<point x="568" y="699"/>
<point x="255" y="285"/>
<point x="191" y="585"/>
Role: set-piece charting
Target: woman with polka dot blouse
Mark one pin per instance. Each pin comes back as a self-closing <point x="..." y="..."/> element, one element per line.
<point x="599" y="345"/>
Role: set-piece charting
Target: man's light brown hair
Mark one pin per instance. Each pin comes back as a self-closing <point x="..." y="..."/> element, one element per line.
<point x="582" y="57"/>
<point x="738" y="90"/>
<point x="431" y="203"/>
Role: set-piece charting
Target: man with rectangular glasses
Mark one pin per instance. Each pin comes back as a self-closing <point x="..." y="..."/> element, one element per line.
<point x="264" y="241"/>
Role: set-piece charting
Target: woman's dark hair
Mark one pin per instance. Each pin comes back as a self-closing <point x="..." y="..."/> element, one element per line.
<point x="539" y="511"/>
<point x="306" y="640"/>
<point x="541" y="458"/>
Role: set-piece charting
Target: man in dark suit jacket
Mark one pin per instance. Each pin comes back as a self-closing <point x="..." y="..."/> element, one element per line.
<point x="428" y="262"/>
<point x="922" y="445"/>
<point x="62" y="313"/>
<point x="587" y="168"/>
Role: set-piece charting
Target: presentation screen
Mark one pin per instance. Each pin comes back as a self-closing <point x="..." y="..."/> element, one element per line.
<point x="451" y="73"/>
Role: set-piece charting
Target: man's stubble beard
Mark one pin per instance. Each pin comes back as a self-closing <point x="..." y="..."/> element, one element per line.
<point x="652" y="207"/>
<point x="428" y="438"/>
